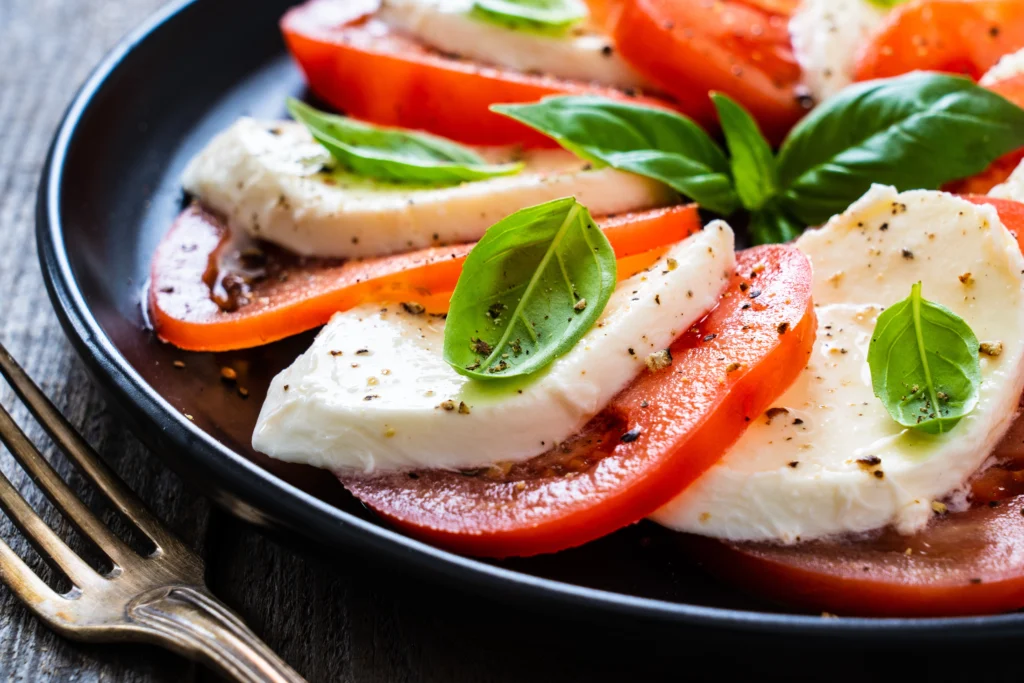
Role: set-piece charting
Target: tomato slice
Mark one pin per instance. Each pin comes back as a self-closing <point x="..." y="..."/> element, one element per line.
<point x="655" y="438"/>
<point x="691" y="48"/>
<point x="958" y="36"/>
<point x="783" y="7"/>
<point x="605" y="12"/>
<point x="358" y="65"/>
<point x="965" y="563"/>
<point x="969" y="562"/>
<point x="205" y="297"/>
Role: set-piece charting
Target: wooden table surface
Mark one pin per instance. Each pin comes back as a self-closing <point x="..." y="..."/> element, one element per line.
<point x="333" y="621"/>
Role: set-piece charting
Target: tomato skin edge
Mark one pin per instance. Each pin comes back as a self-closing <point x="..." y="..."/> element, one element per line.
<point x="955" y="36"/>
<point x="755" y="572"/>
<point x="750" y="393"/>
<point x="183" y="314"/>
<point x="649" y="35"/>
<point x="391" y="80"/>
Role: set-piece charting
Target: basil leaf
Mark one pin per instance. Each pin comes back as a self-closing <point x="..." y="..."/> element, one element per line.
<point x="888" y="4"/>
<point x="539" y="15"/>
<point x="654" y="143"/>
<point x="772" y="225"/>
<point x="395" y="155"/>
<point x="753" y="162"/>
<point x="535" y="283"/>
<point x="924" y="364"/>
<point x="915" y="132"/>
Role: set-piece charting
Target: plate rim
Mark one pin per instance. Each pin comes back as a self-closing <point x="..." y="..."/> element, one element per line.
<point x="260" y="490"/>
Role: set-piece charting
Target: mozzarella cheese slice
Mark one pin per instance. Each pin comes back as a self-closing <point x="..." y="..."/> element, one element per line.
<point x="827" y="458"/>
<point x="447" y="25"/>
<point x="274" y="182"/>
<point x="374" y="392"/>
<point x="1009" y="66"/>
<point x="826" y="36"/>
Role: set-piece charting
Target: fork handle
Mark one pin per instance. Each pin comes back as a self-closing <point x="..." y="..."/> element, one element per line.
<point x="190" y="621"/>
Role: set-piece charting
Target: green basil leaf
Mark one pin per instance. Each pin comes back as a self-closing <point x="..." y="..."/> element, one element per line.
<point x="752" y="160"/>
<point x="915" y="132"/>
<point x="888" y="4"/>
<point x="772" y="225"/>
<point x="535" y="283"/>
<point x="924" y="364"/>
<point x="538" y="15"/>
<point x="654" y="143"/>
<point x="395" y="155"/>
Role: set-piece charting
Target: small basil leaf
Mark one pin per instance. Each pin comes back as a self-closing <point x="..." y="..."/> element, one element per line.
<point x="395" y="155"/>
<point x="654" y="143"/>
<point x="914" y="132"/>
<point x="888" y="4"/>
<point x="753" y="163"/>
<point x="535" y="283"/>
<point x="772" y="225"/>
<point x="538" y="15"/>
<point x="924" y="364"/>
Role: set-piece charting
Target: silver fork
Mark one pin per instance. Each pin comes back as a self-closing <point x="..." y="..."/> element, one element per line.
<point x="160" y="598"/>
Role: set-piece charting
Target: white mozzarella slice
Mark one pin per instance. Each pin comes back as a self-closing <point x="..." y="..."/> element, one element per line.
<point x="1013" y="188"/>
<point x="828" y="459"/>
<point x="268" y="179"/>
<point x="826" y="36"/>
<point x="584" y="54"/>
<point x="370" y="394"/>
<point x="1009" y="66"/>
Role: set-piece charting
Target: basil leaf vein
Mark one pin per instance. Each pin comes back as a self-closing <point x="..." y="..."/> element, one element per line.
<point x="395" y="155"/>
<point x="924" y="364"/>
<point x="539" y="15"/>
<point x="752" y="159"/>
<point x="529" y="290"/>
<point x="651" y="142"/>
<point x="914" y="132"/>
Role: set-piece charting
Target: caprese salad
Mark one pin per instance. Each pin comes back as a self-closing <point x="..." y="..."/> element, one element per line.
<point x="750" y="270"/>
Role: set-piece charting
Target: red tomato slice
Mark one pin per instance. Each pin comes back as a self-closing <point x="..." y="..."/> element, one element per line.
<point x="691" y="48"/>
<point x="359" y="66"/>
<point x="605" y="12"/>
<point x="1013" y="90"/>
<point x="656" y="437"/>
<point x="965" y="563"/>
<point x="783" y="7"/>
<point x="969" y="562"/>
<point x="201" y="299"/>
<point x="958" y="36"/>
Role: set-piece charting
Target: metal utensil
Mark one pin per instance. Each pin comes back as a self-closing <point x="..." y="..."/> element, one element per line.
<point x="159" y="598"/>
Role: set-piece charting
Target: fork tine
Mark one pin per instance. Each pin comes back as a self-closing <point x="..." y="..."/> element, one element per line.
<point x="47" y="479"/>
<point x="45" y="539"/>
<point x="83" y="455"/>
<point x="28" y="587"/>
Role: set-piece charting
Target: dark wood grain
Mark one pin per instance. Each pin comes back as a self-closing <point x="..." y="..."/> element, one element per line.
<point x="343" y="619"/>
<point x="47" y="48"/>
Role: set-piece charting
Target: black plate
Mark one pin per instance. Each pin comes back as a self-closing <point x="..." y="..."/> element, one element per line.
<point x="109" y="192"/>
